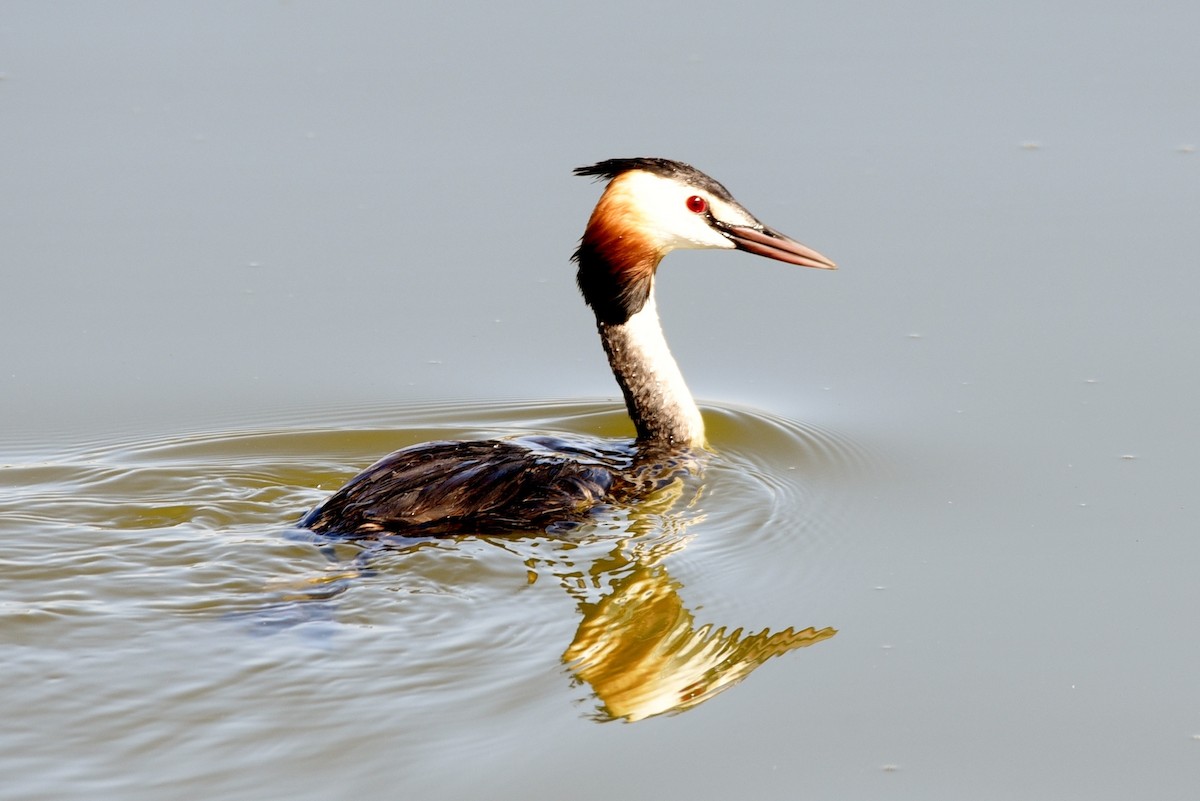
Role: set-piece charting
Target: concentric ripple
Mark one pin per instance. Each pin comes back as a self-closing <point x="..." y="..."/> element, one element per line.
<point x="767" y="480"/>
<point x="105" y="541"/>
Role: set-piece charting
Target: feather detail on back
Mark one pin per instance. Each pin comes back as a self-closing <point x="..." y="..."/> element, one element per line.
<point x="486" y="486"/>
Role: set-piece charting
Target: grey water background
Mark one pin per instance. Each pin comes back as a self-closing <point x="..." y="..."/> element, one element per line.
<point x="219" y="215"/>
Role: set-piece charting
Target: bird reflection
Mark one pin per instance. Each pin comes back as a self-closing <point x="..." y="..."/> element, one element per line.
<point x="641" y="651"/>
<point x="637" y="646"/>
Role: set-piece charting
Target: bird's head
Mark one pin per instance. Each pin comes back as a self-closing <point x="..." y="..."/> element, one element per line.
<point x="652" y="206"/>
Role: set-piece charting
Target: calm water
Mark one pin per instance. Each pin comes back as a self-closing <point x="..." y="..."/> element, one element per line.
<point x="248" y="248"/>
<point x="169" y="633"/>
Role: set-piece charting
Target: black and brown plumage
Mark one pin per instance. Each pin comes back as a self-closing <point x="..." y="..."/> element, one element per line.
<point x="650" y="207"/>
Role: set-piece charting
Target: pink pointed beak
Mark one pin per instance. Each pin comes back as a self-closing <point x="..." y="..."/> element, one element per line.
<point x="774" y="245"/>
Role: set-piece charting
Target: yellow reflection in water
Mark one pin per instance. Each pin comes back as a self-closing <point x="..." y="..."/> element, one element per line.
<point x="637" y="646"/>
<point x="643" y="653"/>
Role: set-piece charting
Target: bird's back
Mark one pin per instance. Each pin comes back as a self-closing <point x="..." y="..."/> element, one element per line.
<point x="484" y="486"/>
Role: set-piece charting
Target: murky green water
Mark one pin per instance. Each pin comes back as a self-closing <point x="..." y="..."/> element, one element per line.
<point x="165" y="627"/>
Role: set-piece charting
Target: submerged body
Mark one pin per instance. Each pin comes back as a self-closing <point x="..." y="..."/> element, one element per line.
<point x="493" y="486"/>
<point x="650" y="207"/>
<point x="449" y="487"/>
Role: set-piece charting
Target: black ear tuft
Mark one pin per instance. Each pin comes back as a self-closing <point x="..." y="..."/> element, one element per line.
<point x="611" y="168"/>
<point x="667" y="168"/>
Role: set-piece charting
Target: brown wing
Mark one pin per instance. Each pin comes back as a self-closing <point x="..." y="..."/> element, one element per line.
<point x="487" y="486"/>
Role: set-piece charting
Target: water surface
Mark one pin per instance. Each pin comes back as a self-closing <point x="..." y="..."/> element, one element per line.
<point x="164" y="622"/>
<point x="250" y="247"/>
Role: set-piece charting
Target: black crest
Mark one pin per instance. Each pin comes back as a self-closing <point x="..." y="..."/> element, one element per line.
<point x="675" y="170"/>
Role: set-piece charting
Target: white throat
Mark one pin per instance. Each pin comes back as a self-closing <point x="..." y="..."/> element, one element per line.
<point x="659" y="402"/>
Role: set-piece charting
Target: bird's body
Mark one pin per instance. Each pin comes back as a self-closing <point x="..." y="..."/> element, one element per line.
<point x="650" y="207"/>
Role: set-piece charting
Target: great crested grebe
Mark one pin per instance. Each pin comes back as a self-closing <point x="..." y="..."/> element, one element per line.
<point x="650" y="207"/>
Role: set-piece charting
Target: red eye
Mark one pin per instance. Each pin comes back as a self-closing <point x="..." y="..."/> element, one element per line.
<point x="697" y="204"/>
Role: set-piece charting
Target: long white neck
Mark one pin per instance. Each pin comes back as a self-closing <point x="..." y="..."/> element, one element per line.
<point x="657" y="397"/>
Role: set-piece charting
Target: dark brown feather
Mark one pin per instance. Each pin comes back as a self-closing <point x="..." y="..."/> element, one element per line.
<point x="487" y="486"/>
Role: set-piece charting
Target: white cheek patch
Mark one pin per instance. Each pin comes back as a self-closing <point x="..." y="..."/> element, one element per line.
<point x="659" y="206"/>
